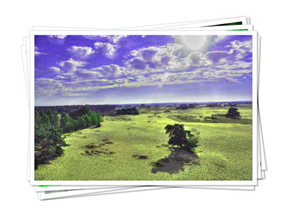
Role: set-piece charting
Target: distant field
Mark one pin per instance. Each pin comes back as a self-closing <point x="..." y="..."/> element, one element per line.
<point x="135" y="148"/>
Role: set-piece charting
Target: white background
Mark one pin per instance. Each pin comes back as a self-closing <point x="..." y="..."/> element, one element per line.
<point x="269" y="18"/>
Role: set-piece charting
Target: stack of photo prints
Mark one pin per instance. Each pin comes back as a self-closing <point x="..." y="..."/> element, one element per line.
<point x="143" y="108"/>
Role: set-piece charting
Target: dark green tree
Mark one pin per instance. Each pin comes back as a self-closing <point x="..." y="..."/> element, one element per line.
<point x="81" y="122"/>
<point x="64" y="119"/>
<point x="48" y="138"/>
<point x="87" y="120"/>
<point x="94" y="120"/>
<point x="233" y="113"/>
<point x="80" y="112"/>
<point x="178" y="136"/>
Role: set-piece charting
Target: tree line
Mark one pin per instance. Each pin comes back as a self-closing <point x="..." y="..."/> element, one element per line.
<point x="49" y="129"/>
<point x="101" y="109"/>
<point x="80" y="119"/>
<point x="127" y="111"/>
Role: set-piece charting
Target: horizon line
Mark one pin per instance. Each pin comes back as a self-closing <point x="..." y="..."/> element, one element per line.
<point x="148" y="103"/>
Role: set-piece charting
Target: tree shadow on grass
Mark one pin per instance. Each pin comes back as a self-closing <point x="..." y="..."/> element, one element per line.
<point x="176" y="161"/>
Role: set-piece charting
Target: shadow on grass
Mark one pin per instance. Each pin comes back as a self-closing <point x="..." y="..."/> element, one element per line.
<point x="48" y="160"/>
<point x="94" y="149"/>
<point x="140" y="157"/>
<point x="175" y="162"/>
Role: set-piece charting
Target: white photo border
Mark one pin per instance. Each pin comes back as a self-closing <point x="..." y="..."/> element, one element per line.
<point x="252" y="182"/>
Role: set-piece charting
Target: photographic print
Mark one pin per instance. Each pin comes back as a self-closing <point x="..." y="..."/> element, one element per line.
<point x="162" y="107"/>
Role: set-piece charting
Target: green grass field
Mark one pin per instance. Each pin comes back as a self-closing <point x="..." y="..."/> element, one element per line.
<point x="112" y="151"/>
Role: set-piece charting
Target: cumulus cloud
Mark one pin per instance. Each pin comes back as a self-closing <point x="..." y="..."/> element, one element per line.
<point x="115" y="38"/>
<point x="106" y="49"/>
<point x="83" y="74"/>
<point x="57" y="39"/>
<point x="166" y="58"/>
<point x="241" y="46"/>
<point x="111" y="70"/>
<point x="216" y="56"/>
<point x="242" y="49"/>
<point x="80" y="51"/>
<point x="71" y="64"/>
<point x="154" y="58"/>
<point x="195" y="58"/>
<point x="138" y="63"/>
<point x="55" y="69"/>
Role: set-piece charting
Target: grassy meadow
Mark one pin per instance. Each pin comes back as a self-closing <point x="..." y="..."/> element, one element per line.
<point x="134" y="147"/>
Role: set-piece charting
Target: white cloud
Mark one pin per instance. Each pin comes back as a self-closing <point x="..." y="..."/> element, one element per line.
<point x="154" y="59"/>
<point x="37" y="52"/>
<point x="238" y="45"/>
<point x="81" y="52"/>
<point x="83" y="74"/>
<point x="46" y="86"/>
<point x="61" y="77"/>
<point x="235" y="65"/>
<point x="195" y="58"/>
<point x="115" y="38"/>
<point x="71" y="64"/>
<point x="55" y="69"/>
<point x="111" y="70"/>
<point x="106" y="49"/>
<point x="57" y="36"/>
<point x="216" y="56"/>
<point x="241" y="48"/>
<point x="111" y="38"/>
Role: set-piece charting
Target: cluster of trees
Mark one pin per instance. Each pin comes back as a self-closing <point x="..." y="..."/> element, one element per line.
<point x="213" y="105"/>
<point x="102" y="109"/>
<point x="127" y="111"/>
<point x="181" y="137"/>
<point x="48" y="136"/>
<point x="185" y="106"/>
<point x="49" y="129"/>
<point x="144" y="106"/>
<point x="233" y="113"/>
<point x="80" y="119"/>
<point x="182" y="106"/>
<point x="222" y="104"/>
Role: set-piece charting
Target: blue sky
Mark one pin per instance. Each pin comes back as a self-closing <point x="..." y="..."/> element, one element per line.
<point x="122" y="69"/>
